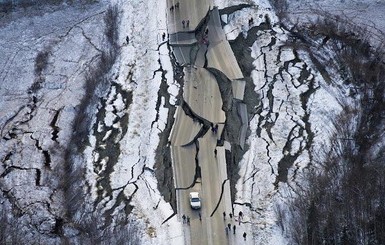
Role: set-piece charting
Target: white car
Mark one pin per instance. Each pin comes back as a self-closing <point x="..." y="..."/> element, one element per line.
<point x="195" y="200"/>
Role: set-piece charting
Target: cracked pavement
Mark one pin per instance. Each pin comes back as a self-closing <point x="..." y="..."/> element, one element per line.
<point x="151" y="129"/>
<point x="197" y="149"/>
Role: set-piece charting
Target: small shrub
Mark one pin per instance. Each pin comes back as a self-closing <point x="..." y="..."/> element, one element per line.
<point x="111" y="21"/>
<point x="41" y="61"/>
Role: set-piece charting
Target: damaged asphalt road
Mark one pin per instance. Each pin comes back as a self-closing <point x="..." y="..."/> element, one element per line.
<point x="199" y="154"/>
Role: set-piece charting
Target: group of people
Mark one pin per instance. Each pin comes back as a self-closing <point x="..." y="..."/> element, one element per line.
<point x="228" y="227"/>
<point x="240" y="216"/>
<point x="185" y="23"/>
<point x="176" y="6"/>
<point x="251" y="21"/>
<point x="186" y="219"/>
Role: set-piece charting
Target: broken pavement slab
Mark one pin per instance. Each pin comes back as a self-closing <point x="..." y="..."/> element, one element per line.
<point x="220" y="56"/>
<point x="182" y="54"/>
<point x="238" y="87"/>
<point x="182" y="38"/>
<point x="202" y="94"/>
<point x="222" y="170"/>
<point x="200" y="57"/>
<point x="242" y="112"/>
<point x="184" y="165"/>
<point x="179" y="136"/>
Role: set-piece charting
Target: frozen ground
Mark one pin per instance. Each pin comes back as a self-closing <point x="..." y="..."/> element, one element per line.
<point x="369" y="13"/>
<point x="297" y="106"/>
<point x="38" y="106"/>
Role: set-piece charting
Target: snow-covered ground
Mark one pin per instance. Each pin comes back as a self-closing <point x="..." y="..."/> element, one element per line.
<point x="293" y="124"/>
<point x="369" y="14"/>
<point x="139" y="69"/>
<point x="38" y="107"/>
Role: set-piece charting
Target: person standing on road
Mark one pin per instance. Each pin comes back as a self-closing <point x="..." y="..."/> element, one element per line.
<point x="234" y="227"/>
<point x="183" y="23"/>
<point x="224" y="215"/>
<point x="200" y="216"/>
<point x="231" y="215"/>
<point x="244" y="236"/>
<point x="215" y="129"/>
<point x="240" y="217"/>
<point x="184" y="218"/>
<point x="188" y="220"/>
<point x="188" y="23"/>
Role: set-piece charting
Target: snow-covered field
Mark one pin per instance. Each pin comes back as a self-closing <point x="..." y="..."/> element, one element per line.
<point x="369" y="14"/>
<point x="73" y="38"/>
<point x="38" y="105"/>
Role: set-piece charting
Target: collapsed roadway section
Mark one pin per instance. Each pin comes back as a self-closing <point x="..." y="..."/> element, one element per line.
<point x="197" y="141"/>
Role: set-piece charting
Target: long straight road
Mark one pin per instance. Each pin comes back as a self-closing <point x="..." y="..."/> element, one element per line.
<point x="199" y="163"/>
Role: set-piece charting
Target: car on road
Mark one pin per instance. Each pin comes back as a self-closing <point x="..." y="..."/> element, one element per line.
<point x="195" y="200"/>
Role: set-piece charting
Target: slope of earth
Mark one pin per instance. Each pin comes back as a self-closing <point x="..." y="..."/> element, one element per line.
<point x="294" y="122"/>
<point x="45" y="54"/>
<point x="80" y="118"/>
